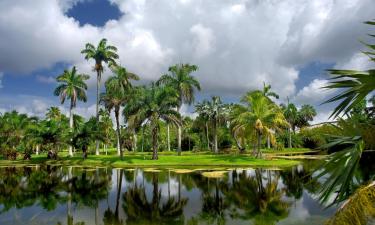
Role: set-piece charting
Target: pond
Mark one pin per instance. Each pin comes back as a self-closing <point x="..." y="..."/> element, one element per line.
<point x="74" y="195"/>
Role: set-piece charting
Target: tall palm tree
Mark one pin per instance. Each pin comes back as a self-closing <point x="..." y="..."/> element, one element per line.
<point x="305" y="115"/>
<point x="258" y="115"/>
<point x="291" y="114"/>
<point x="73" y="86"/>
<point x="203" y="110"/>
<point x="150" y="105"/>
<point x="102" y="53"/>
<point x="181" y="80"/>
<point x="118" y="92"/>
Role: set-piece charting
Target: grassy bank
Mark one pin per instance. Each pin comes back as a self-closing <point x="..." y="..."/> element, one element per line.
<point x="165" y="160"/>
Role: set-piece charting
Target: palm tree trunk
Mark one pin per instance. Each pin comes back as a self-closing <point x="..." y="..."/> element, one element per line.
<point x="37" y="149"/>
<point x="118" y="132"/>
<point x="215" y="137"/>
<point x="179" y="140"/>
<point x="208" y="139"/>
<point x="290" y="139"/>
<point x="259" y="154"/>
<point x="135" y="140"/>
<point x="98" y="78"/>
<point x="105" y="149"/>
<point x="154" y="142"/>
<point x="179" y="135"/>
<point x="268" y="141"/>
<point x="71" y="125"/>
<point x="168" y="139"/>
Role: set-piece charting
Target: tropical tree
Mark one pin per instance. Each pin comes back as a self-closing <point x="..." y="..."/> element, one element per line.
<point x="149" y="105"/>
<point x="106" y="127"/>
<point x="267" y="91"/>
<point x="355" y="85"/>
<point x="202" y="109"/>
<point x="181" y="80"/>
<point x="291" y="115"/>
<point x="54" y="113"/>
<point x="102" y="53"/>
<point x="118" y="92"/>
<point x="259" y="115"/>
<point x="305" y="115"/>
<point x="215" y="111"/>
<point x="72" y="86"/>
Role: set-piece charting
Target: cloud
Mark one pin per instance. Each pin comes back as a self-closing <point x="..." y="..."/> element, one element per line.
<point x="45" y="79"/>
<point x="237" y="45"/>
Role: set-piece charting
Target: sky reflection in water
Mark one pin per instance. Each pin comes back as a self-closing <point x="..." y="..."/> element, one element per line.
<point x="66" y="195"/>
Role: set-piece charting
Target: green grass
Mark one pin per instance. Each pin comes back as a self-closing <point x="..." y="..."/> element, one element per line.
<point x="188" y="159"/>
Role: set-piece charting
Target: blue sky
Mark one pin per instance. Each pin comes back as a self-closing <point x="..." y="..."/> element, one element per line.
<point x="237" y="45"/>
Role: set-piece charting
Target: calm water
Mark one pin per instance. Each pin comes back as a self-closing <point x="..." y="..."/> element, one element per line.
<point x="74" y="195"/>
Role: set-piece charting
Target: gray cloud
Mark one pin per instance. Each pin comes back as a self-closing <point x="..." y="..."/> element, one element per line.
<point x="236" y="44"/>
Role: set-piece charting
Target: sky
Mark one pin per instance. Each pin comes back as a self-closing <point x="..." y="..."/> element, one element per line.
<point x="237" y="45"/>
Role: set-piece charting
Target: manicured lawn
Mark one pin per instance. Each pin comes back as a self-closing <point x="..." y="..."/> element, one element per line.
<point x="188" y="159"/>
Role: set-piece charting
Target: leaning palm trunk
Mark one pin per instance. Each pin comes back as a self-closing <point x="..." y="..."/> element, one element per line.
<point x="98" y="78"/>
<point x="71" y="126"/>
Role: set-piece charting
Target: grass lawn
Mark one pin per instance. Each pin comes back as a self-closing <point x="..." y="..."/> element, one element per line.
<point x="166" y="159"/>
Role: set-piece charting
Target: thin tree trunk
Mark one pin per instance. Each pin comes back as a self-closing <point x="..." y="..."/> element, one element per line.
<point x="98" y="78"/>
<point x="168" y="139"/>
<point x="268" y="141"/>
<point x="259" y="154"/>
<point x="119" y="148"/>
<point x="135" y="139"/>
<point x="290" y="139"/>
<point x="143" y="137"/>
<point x="179" y="135"/>
<point x="71" y="126"/>
<point x="179" y="140"/>
<point x="154" y="142"/>
<point x="208" y="139"/>
<point x="105" y="149"/>
<point x="37" y="149"/>
<point x="215" y="137"/>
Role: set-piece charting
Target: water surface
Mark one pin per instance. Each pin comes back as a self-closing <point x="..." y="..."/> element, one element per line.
<point x="75" y="195"/>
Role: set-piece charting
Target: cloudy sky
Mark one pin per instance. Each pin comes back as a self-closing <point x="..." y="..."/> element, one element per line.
<point x="237" y="45"/>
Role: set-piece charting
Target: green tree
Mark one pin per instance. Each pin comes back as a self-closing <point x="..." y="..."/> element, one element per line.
<point x="72" y="86"/>
<point x="149" y="105"/>
<point x="106" y="127"/>
<point x="102" y="53"/>
<point x="118" y="92"/>
<point x="305" y="115"/>
<point x="267" y="91"/>
<point x="259" y="115"/>
<point x="54" y="113"/>
<point x="181" y="80"/>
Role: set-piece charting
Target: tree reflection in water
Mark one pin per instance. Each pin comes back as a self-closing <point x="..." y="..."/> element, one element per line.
<point x="258" y="196"/>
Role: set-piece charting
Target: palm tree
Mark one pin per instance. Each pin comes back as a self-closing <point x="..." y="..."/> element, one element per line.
<point x="102" y="53"/>
<point x="356" y="85"/>
<point x="203" y="110"/>
<point x="181" y="80"/>
<point x="258" y="115"/>
<point x="149" y="105"/>
<point x="215" y="111"/>
<point x="54" y="113"/>
<point x="72" y="86"/>
<point x="118" y="92"/>
<point x="291" y="114"/>
<point x="267" y="91"/>
<point x="106" y="126"/>
<point x="305" y="115"/>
